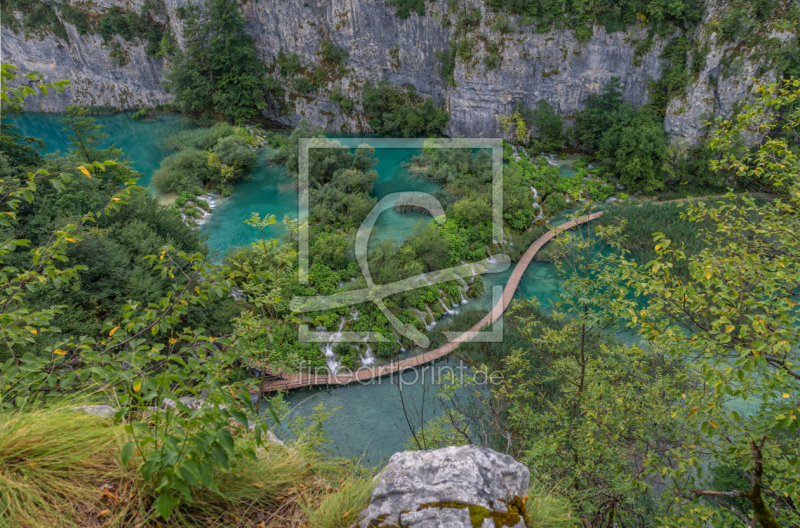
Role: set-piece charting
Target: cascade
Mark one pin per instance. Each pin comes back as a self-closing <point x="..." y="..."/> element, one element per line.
<point x="463" y="299"/>
<point x="433" y="319"/>
<point x="449" y="311"/>
<point x="367" y="359"/>
<point x="397" y="339"/>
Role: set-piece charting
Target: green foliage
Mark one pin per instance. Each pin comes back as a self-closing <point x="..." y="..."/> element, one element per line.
<point x="546" y="127"/>
<point x="396" y="110"/>
<point x="332" y="53"/>
<point x="289" y="64"/>
<point x="403" y="8"/>
<point x="219" y="69"/>
<point x="199" y="138"/>
<point x="447" y="63"/>
<point x="674" y="78"/>
<point x="184" y="170"/>
<point x="635" y="148"/>
<point x="346" y="104"/>
<point x="234" y="151"/>
<point x="732" y="323"/>
<point x="304" y="86"/>
<point x="615" y="16"/>
<point x="492" y="59"/>
<point x="553" y="204"/>
<point x="598" y="116"/>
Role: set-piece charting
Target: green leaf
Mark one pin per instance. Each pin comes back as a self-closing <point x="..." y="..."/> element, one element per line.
<point x="165" y="503"/>
<point x="225" y="438"/>
<point x="127" y="451"/>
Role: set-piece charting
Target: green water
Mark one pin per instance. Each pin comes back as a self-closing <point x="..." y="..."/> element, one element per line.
<point x="367" y="423"/>
<point x="142" y="141"/>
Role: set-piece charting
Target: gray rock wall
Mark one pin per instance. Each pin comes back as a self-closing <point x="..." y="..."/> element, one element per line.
<point x="552" y="66"/>
<point x="727" y="79"/>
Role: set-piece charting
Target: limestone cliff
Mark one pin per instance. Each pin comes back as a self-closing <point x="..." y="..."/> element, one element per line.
<point x="554" y="66"/>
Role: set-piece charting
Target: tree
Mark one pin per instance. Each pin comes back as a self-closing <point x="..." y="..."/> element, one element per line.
<point x="598" y="115"/>
<point x="734" y="322"/>
<point x="86" y="137"/>
<point x="84" y="134"/>
<point x="400" y="110"/>
<point x="219" y="69"/>
<point x="145" y="359"/>
<point x="546" y="126"/>
<point x="635" y="148"/>
<point x="186" y="170"/>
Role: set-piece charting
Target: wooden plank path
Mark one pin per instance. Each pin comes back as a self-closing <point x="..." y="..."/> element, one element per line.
<point x="301" y="380"/>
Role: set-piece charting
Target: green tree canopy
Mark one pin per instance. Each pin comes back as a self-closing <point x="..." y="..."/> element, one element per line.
<point x="219" y="69"/>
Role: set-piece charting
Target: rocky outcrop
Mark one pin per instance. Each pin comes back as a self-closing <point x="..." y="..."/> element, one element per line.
<point x="95" y="79"/>
<point x="728" y="79"/>
<point x="531" y="66"/>
<point x="456" y="487"/>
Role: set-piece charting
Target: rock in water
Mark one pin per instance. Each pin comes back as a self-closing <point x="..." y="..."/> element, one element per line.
<point x="453" y="487"/>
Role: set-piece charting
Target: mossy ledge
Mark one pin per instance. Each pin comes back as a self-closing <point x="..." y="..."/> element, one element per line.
<point x="478" y="514"/>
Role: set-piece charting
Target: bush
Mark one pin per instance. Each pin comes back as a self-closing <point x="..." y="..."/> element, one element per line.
<point x="200" y="138"/>
<point x="234" y="151"/>
<point x="403" y="8"/>
<point x="396" y="110"/>
<point x="288" y="64"/>
<point x="186" y="170"/>
<point x="635" y="148"/>
<point x="553" y="204"/>
<point x="140" y="114"/>
<point x="332" y="53"/>
<point x="303" y="85"/>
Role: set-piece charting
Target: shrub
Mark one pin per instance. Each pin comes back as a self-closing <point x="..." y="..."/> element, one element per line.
<point x="332" y="53"/>
<point x="303" y="85"/>
<point x="553" y="204"/>
<point x="234" y="151"/>
<point x="403" y="8"/>
<point x="199" y="138"/>
<point x="289" y="64"/>
<point x="187" y="169"/>
<point x="397" y="110"/>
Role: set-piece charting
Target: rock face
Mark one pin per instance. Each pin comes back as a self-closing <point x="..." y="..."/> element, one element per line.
<point x="726" y="80"/>
<point x="453" y="487"/>
<point x="553" y="66"/>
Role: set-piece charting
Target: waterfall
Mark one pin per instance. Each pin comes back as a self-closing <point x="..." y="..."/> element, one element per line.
<point x="449" y="311"/>
<point x="397" y="339"/>
<point x="238" y="295"/>
<point x="433" y="319"/>
<point x="333" y="364"/>
<point x="463" y="299"/>
<point x="551" y="159"/>
<point x="367" y="359"/>
<point x="211" y="200"/>
<point x="421" y="316"/>
<point x="535" y="192"/>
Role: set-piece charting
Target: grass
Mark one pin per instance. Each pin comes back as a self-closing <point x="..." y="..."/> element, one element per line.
<point x="53" y="465"/>
<point x="546" y="509"/>
<point x="62" y="469"/>
<point x="340" y="507"/>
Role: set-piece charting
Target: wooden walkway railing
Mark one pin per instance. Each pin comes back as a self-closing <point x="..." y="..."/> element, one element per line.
<point x="297" y="381"/>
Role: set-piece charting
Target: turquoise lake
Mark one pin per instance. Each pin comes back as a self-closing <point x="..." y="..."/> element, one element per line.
<point x="367" y="423"/>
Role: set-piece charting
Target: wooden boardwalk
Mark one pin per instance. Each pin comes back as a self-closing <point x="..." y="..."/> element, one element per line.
<point x="297" y="381"/>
